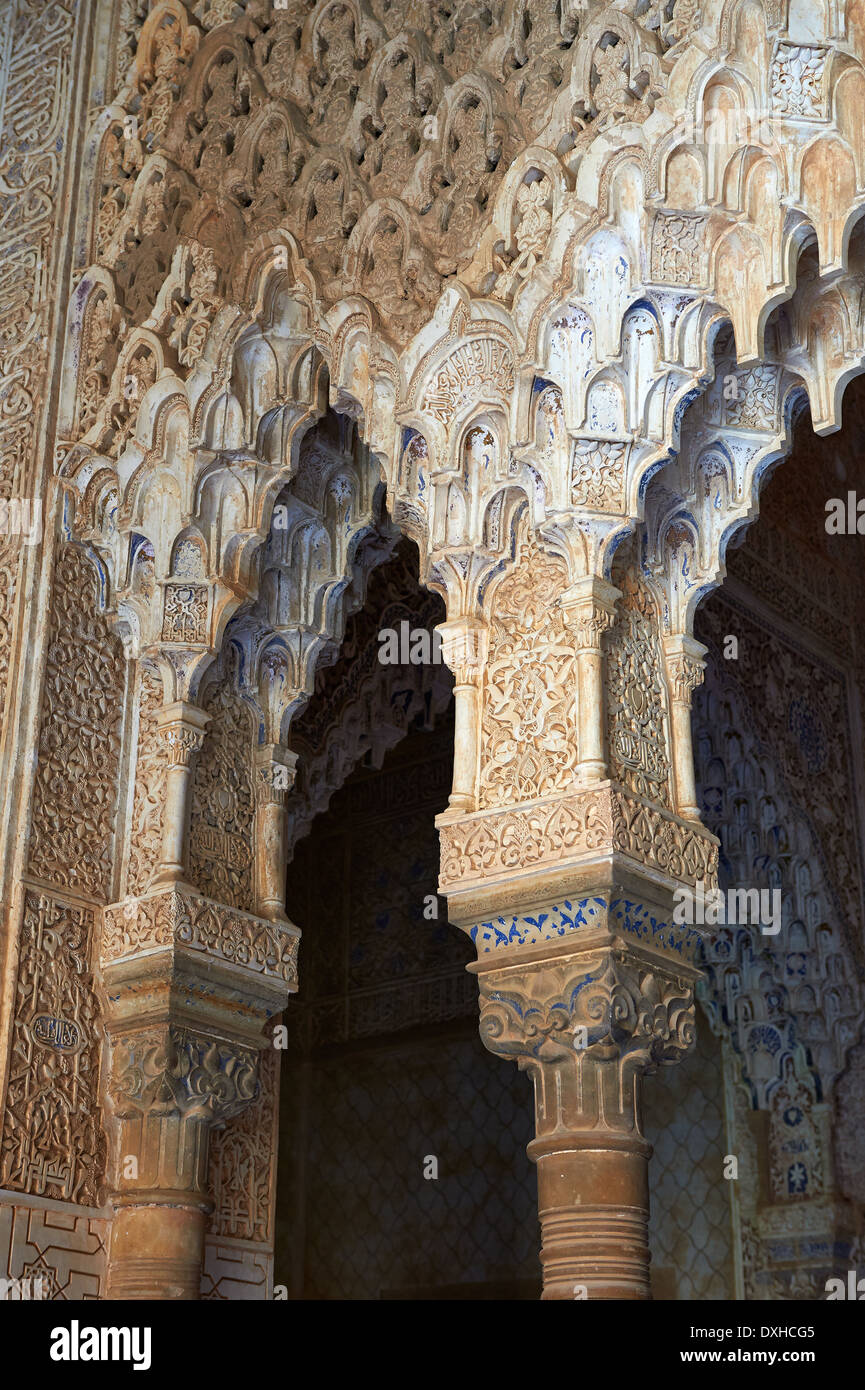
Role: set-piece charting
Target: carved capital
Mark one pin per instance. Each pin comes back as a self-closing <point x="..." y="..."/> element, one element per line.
<point x="167" y="1071"/>
<point x="464" y="643"/>
<point x="686" y="665"/>
<point x="181" y="727"/>
<point x="275" y="772"/>
<point x="587" y="1026"/>
<point x="590" y="609"/>
<point x="598" y="1006"/>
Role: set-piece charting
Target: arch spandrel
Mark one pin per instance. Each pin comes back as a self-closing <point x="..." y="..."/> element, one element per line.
<point x="631" y="72"/>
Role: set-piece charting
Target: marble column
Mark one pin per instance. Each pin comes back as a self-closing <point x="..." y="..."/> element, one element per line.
<point x="685" y="662"/>
<point x="590" y="608"/>
<point x="182" y="726"/>
<point x="464" y="647"/>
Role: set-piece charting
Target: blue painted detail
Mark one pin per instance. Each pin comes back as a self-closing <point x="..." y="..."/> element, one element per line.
<point x="636" y="918"/>
<point x="561" y="920"/>
<point x="539" y="384"/>
<point x="547" y="926"/>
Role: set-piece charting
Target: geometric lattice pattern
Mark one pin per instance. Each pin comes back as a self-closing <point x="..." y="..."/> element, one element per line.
<point x="61" y="1245"/>
<point x="375" y="1226"/>
<point x="690" y="1228"/>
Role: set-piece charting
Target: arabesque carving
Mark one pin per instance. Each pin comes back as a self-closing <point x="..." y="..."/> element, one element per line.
<point x="529" y="724"/>
<point x="221" y="842"/>
<point x="75" y="792"/>
<point x="522" y="283"/>
<point x="54" y="1143"/>
<point x="486" y="846"/>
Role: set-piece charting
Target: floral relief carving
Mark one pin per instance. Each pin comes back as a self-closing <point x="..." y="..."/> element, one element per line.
<point x="75" y="786"/>
<point x="399" y="277"/>
<point x="145" y="836"/>
<point x="529" y="721"/>
<point x="534" y="222"/>
<point x="223" y="803"/>
<point x="98" y="358"/>
<point x="598" y="474"/>
<point x="677" y="248"/>
<point x="797" y="80"/>
<point x="140" y="372"/>
<point x="243" y="1162"/>
<point x="474" y="158"/>
<point x="636" y="695"/>
<point x="479" y="847"/>
<point x="170" y="50"/>
<point x="131" y="14"/>
<point x="753" y="405"/>
<point x="677" y="849"/>
<point x="53" y="1142"/>
<point x="198" y="303"/>
<point x="121" y="159"/>
<point x="180" y="918"/>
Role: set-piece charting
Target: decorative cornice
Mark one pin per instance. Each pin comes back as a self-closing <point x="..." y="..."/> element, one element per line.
<point x="599" y="821"/>
<point x="178" y="918"/>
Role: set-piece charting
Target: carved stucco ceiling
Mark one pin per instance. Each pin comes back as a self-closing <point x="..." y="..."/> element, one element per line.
<point x="498" y="238"/>
<point x="388" y="136"/>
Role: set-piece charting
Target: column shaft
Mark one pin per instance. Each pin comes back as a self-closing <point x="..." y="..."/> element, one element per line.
<point x="685" y="662"/>
<point x="464" y="646"/>
<point x="182" y="726"/>
<point x="593" y="1202"/>
<point x="275" y="775"/>
<point x="590" y="606"/>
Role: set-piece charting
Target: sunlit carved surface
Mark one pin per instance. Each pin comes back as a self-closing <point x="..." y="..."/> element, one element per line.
<point x="332" y="319"/>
